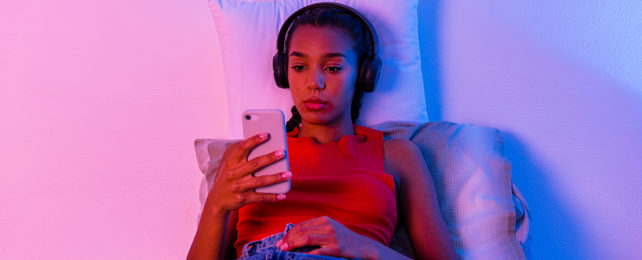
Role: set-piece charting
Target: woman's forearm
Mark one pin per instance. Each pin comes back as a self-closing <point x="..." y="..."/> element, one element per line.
<point x="209" y="241"/>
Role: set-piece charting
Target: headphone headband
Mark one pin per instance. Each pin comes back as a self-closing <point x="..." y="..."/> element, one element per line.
<point x="285" y="28"/>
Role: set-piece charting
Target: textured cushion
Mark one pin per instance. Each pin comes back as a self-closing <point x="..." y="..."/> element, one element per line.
<point x="472" y="178"/>
<point x="248" y="30"/>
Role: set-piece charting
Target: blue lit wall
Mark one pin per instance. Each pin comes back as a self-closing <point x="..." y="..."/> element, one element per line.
<point x="563" y="81"/>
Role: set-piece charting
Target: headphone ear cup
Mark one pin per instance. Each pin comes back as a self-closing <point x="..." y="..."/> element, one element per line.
<point x="279" y="65"/>
<point x="369" y="73"/>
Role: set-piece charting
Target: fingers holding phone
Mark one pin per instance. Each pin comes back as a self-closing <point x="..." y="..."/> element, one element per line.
<point x="257" y="121"/>
<point x="234" y="185"/>
<point x="255" y="169"/>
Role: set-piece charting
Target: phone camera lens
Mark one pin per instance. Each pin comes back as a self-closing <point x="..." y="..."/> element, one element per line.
<point x="248" y="117"/>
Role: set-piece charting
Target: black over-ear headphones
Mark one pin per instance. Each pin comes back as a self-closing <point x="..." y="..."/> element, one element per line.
<point x="368" y="67"/>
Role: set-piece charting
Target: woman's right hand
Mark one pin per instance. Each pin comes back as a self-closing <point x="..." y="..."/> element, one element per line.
<point x="234" y="184"/>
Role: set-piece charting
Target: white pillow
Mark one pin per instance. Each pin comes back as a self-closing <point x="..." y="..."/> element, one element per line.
<point x="248" y="31"/>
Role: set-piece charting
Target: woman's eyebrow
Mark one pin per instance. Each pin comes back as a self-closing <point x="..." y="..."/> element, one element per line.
<point x="327" y="55"/>
<point x="298" y="54"/>
<point x="334" y="54"/>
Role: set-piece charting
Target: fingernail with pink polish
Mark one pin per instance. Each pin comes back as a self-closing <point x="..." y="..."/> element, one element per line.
<point x="280" y="197"/>
<point x="278" y="244"/>
<point x="286" y="175"/>
<point x="284" y="246"/>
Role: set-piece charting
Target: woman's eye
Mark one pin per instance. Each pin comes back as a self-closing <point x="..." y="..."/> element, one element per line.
<point x="333" y="69"/>
<point x="298" y="67"/>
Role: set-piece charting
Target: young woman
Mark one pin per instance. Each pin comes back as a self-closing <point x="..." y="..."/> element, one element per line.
<point x="349" y="186"/>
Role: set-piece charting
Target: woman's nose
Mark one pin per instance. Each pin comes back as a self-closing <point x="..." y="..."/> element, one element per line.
<point x="316" y="80"/>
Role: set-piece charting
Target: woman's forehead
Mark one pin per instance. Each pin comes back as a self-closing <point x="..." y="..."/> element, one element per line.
<point x="309" y="40"/>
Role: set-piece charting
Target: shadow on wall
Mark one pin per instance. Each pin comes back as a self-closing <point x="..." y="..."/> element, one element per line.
<point x="428" y="32"/>
<point x="525" y="167"/>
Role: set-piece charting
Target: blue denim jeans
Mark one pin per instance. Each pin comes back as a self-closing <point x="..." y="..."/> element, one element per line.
<point x="266" y="249"/>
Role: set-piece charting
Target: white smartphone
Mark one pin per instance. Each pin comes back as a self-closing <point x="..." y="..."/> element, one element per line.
<point x="272" y="121"/>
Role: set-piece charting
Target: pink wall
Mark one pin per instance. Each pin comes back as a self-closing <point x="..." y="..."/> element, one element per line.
<point x="100" y="103"/>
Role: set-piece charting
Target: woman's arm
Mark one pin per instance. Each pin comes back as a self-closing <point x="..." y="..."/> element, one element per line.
<point x="233" y="187"/>
<point x="214" y="237"/>
<point x="418" y="201"/>
<point x="334" y="239"/>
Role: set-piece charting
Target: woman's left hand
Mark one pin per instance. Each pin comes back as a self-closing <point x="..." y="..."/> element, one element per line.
<point x="334" y="239"/>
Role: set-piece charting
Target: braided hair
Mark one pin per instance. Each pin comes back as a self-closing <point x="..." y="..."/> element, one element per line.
<point x="337" y="18"/>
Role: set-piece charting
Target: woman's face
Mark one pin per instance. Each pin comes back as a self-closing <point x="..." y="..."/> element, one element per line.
<point x="322" y="70"/>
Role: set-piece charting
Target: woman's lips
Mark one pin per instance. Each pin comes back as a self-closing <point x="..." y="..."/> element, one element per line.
<point x="314" y="104"/>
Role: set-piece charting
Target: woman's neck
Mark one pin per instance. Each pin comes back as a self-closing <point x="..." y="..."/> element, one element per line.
<point x="323" y="133"/>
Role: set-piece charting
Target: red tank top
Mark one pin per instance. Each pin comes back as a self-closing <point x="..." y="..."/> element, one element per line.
<point x="343" y="180"/>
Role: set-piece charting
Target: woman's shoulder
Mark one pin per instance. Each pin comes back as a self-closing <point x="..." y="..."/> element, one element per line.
<point x="397" y="153"/>
<point x="398" y="147"/>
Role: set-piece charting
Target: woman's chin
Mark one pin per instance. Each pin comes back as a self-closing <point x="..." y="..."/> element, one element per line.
<point x="316" y="118"/>
<point x="324" y="116"/>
